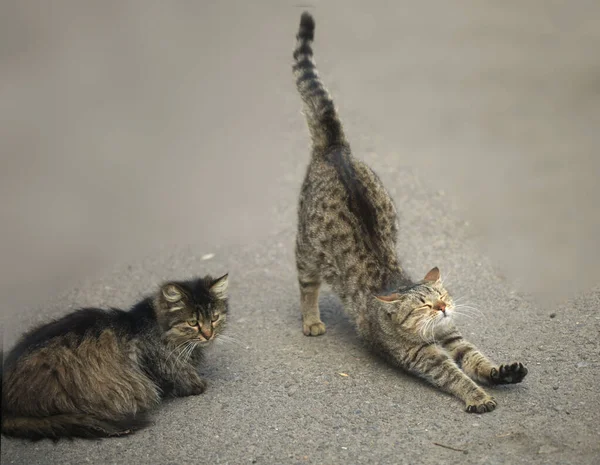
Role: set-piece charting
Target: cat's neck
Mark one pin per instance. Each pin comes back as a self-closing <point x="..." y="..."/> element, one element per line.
<point x="393" y="280"/>
<point x="143" y="315"/>
<point x="388" y="280"/>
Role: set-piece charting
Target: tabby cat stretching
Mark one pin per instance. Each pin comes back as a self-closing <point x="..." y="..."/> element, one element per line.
<point x="94" y="373"/>
<point x="347" y="229"/>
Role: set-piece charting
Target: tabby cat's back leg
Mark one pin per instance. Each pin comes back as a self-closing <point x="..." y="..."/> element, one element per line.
<point x="309" y="283"/>
<point x="478" y="366"/>
<point x="436" y="366"/>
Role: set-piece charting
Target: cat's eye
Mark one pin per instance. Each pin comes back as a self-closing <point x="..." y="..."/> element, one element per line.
<point x="427" y="306"/>
<point x="215" y="317"/>
<point x="192" y="322"/>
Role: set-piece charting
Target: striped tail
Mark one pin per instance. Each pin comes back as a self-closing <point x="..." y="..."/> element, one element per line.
<point x="323" y="122"/>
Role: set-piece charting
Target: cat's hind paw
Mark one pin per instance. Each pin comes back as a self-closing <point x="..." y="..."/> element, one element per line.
<point x="508" y="374"/>
<point x="314" y="329"/>
<point x="487" y="404"/>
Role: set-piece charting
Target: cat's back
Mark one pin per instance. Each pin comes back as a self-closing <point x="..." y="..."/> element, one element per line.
<point x="344" y="189"/>
<point x="72" y="329"/>
<point x="89" y="360"/>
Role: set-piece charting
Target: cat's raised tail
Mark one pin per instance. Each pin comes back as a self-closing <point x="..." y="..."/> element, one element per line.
<point x="70" y="425"/>
<point x="323" y="122"/>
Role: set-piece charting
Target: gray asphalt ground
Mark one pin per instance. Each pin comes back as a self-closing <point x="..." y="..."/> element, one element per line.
<point x="139" y="138"/>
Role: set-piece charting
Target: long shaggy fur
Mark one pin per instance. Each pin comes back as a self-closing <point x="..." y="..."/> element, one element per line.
<point x="95" y="373"/>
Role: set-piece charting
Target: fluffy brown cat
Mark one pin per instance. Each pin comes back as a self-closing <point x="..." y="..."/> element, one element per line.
<point x="94" y="373"/>
<point x="347" y="230"/>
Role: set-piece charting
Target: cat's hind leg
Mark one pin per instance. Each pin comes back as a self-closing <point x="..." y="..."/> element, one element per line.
<point x="309" y="283"/>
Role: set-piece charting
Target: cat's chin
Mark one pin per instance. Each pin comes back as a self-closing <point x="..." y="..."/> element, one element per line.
<point x="446" y="317"/>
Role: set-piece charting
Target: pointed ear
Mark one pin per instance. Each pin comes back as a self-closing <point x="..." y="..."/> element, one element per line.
<point x="433" y="275"/>
<point x="172" y="293"/>
<point x="219" y="287"/>
<point x="389" y="298"/>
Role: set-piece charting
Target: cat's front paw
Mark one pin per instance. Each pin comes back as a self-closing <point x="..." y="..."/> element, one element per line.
<point x="482" y="405"/>
<point x="508" y="374"/>
<point x="314" y="329"/>
<point x="198" y="387"/>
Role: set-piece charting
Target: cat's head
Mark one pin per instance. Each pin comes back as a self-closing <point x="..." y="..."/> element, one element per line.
<point x="193" y="311"/>
<point x="422" y="309"/>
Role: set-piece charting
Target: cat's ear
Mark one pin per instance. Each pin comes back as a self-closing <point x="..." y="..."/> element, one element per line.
<point x="172" y="293"/>
<point x="433" y="275"/>
<point x="219" y="287"/>
<point x="389" y="298"/>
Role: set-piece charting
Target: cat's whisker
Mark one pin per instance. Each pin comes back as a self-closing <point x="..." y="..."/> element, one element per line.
<point x="433" y="328"/>
<point x="469" y="309"/>
<point x="190" y="351"/>
<point x="446" y="278"/>
<point x="464" y="296"/>
<point x="228" y="339"/>
<point x="173" y="351"/>
<point x="469" y="315"/>
<point x="424" y="329"/>
<point x="463" y="314"/>
<point x="421" y="329"/>
<point x="228" y="342"/>
<point x="187" y="344"/>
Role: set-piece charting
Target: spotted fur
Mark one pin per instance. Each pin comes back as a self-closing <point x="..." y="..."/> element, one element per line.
<point x="347" y="233"/>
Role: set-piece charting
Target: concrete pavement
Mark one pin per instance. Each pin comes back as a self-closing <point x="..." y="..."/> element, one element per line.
<point x="140" y="138"/>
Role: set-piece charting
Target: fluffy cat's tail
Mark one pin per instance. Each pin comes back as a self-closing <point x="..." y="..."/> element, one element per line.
<point x="70" y="425"/>
<point x="323" y="122"/>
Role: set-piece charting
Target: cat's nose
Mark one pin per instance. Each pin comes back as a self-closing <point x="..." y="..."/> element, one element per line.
<point x="206" y="332"/>
<point x="441" y="306"/>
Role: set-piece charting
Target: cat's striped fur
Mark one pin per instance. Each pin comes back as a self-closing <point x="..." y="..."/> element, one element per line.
<point x="347" y="230"/>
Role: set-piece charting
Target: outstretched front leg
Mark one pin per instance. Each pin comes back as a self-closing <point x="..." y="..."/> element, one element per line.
<point x="435" y="365"/>
<point x="478" y="366"/>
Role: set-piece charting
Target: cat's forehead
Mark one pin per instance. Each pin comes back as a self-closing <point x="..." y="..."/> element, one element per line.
<point x="426" y="290"/>
<point x="196" y="291"/>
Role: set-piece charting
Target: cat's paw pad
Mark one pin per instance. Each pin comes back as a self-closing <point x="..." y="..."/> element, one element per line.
<point x="508" y="374"/>
<point x="486" y="404"/>
<point x="314" y="329"/>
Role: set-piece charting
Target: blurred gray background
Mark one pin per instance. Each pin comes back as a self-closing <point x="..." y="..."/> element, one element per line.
<point x="130" y="129"/>
<point x="129" y="125"/>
